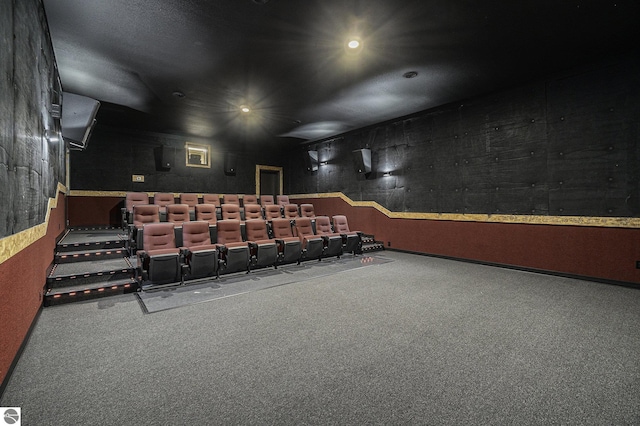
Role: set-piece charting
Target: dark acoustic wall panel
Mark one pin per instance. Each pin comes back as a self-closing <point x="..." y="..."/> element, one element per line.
<point x="593" y="143"/>
<point x="30" y="166"/>
<point x="114" y="155"/>
<point x="566" y="146"/>
<point x="6" y="115"/>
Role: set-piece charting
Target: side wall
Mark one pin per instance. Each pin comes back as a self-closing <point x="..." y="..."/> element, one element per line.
<point x="569" y="146"/>
<point x="565" y="150"/>
<point x="32" y="202"/>
<point x="31" y="166"/>
<point x="605" y="253"/>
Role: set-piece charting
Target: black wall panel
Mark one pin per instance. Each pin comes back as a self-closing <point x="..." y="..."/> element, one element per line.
<point x="567" y="146"/>
<point x="114" y="155"/>
<point x="30" y="165"/>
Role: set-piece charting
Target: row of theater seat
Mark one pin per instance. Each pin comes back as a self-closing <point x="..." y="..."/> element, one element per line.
<point x="209" y="212"/>
<point x="162" y="260"/>
<point x="247" y="204"/>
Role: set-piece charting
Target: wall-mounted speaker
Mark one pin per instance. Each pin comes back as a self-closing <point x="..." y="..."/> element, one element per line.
<point x="229" y="164"/>
<point x="165" y="157"/>
<point x="362" y="160"/>
<point x="311" y="160"/>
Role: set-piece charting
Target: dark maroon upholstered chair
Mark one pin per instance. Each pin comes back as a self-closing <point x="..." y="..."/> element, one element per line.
<point x="351" y="240"/>
<point x="233" y="250"/>
<point x="332" y="240"/>
<point x="312" y="245"/>
<point x="159" y="260"/>
<point x="289" y="246"/>
<point x="263" y="249"/>
<point x="201" y="256"/>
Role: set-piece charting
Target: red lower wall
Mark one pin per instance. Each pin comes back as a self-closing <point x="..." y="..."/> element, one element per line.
<point x="89" y="211"/>
<point x="595" y="252"/>
<point x="22" y="280"/>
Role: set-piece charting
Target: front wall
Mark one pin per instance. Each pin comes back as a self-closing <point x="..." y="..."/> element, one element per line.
<point x="113" y="156"/>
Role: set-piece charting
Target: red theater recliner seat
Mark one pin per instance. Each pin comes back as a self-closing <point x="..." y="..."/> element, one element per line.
<point x="159" y="260"/>
<point x="351" y="240"/>
<point x="162" y="200"/>
<point x="312" y="244"/>
<point x="332" y="240"/>
<point x="266" y="200"/>
<point x="200" y="255"/>
<point x="290" y="211"/>
<point x="142" y="214"/>
<point x="307" y="210"/>
<point x="289" y="246"/>
<point x="231" y="211"/>
<point x="252" y="211"/>
<point x="215" y="200"/>
<point x="231" y="199"/>
<point x="190" y="200"/>
<point x="263" y="250"/>
<point x="178" y="214"/>
<point x="211" y="199"/>
<point x="208" y="213"/>
<point x="249" y="199"/>
<point x="233" y="251"/>
<point x="282" y="200"/>
<point x="271" y="211"/>
<point x="132" y="199"/>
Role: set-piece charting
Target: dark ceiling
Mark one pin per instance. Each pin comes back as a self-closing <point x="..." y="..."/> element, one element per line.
<point x="288" y="62"/>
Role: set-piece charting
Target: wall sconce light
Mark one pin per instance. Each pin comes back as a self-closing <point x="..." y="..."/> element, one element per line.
<point x="51" y="136"/>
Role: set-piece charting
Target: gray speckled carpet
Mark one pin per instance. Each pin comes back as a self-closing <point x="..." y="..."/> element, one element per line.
<point x="418" y="340"/>
<point x="204" y="290"/>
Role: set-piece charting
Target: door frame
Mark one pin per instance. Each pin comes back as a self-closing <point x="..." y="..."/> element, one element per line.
<point x="260" y="167"/>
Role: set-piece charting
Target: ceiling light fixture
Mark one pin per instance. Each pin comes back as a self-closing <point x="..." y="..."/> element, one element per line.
<point x="245" y="109"/>
<point x="353" y="44"/>
<point x="410" y="74"/>
<point x="178" y="94"/>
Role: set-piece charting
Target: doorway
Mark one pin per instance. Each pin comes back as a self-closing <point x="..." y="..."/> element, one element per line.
<point x="269" y="180"/>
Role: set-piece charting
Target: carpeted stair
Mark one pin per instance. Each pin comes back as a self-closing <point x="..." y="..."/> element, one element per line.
<point x="89" y="263"/>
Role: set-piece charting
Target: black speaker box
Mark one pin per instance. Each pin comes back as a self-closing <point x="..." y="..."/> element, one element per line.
<point x="311" y="160"/>
<point x="230" y="164"/>
<point x="362" y="160"/>
<point x="165" y="157"/>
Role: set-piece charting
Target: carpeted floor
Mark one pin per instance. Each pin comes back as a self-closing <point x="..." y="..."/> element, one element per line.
<point x="208" y="289"/>
<point x="415" y="341"/>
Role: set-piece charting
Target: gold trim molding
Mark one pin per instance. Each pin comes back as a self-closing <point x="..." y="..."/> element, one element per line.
<point x="13" y="244"/>
<point x="606" y="222"/>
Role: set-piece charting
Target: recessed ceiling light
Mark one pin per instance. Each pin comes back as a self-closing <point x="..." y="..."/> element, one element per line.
<point x="245" y="109"/>
<point x="353" y="44"/>
<point x="178" y="94"/>
<point x="410" y="74"/>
